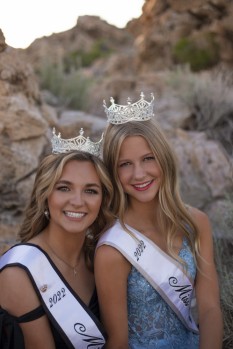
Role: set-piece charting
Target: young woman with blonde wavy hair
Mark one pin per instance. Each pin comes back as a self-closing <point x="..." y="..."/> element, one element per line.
<point x="159" y="252"/>
<point x="47" y="295"/>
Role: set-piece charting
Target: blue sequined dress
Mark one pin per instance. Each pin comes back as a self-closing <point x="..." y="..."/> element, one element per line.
<point x="152" y="323"/>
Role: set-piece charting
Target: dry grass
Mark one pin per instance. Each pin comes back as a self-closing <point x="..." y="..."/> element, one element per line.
<point x="209" y="96"/>
<point x="224" y="262"/>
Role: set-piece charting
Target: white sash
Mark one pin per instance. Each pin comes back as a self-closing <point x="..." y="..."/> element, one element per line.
<point x="159" y="269"/>
<point x="69" y="315"/>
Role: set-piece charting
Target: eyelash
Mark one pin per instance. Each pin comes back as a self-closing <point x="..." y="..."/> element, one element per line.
<point x="124" y="164"/>
<point x="88" y="191"/>
<point x="91" y="191"/>
<point x="149" y="158"/>
<point x="63" y="188"/>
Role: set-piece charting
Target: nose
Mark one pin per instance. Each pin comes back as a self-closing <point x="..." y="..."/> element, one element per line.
<point x="76" y="199"/>
<point x="139" y="172"/>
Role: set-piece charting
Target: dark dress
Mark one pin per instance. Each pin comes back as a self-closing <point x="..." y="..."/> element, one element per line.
<point x="11" y="336"/>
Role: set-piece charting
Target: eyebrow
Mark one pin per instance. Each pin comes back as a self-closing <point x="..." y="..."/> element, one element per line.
<point x="88" y="185"/>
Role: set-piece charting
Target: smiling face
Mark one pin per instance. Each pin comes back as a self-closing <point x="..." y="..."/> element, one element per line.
<point x="138" y="170"/>
<point x="76" y="198"/>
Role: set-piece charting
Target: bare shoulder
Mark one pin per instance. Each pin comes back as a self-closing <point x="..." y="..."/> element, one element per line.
<point x="202" y="221"/>
<point x="17" y="294"/>
<point x="199" y="216"/>
<point x="110" y="261"/>
<point x="108" y="253"/>
<point x="12" y="277"/>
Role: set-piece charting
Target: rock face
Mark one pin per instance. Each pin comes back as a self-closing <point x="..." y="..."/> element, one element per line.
<point x="23" y="127"/>
<point x="205" y="25"/>
<point x="89" y="32"/>
<point x="140" y="54"/>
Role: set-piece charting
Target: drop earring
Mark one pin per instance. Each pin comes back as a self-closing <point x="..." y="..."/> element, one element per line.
<point x="46" y="213"/>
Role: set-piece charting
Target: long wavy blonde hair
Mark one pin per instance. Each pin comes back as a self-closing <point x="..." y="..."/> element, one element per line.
<point x="172" y="213"/>
<point x="48" y="173"/>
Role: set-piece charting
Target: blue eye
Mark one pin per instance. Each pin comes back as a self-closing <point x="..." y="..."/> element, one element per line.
<point x="124" y="164"/>
<point x="91" y="191"/>
<point x="149" y="158"/>
<point x="63" y="188"/>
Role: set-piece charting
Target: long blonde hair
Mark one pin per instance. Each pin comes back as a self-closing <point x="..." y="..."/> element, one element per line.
<point x="172" y="213"/>
<point x="48" y="173"/>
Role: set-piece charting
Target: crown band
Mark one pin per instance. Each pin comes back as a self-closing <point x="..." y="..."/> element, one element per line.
<point x="60" y="145"/>
<point x="138" y="111"/>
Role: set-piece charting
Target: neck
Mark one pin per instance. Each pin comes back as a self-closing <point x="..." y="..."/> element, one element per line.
<point x="145" y="218"/>
<point x="69" y="247"/>
<point x="142" y="212"/>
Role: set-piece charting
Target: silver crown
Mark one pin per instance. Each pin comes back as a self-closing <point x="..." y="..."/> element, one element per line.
<point x="60" y="145"/>
<point x="138" y="111"/>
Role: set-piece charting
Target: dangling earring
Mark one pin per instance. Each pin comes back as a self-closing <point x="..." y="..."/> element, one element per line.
<point x="46" y="213"/>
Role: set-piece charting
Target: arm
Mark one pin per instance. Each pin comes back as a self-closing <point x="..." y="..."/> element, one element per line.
<point x="111" y="273"/>
<point x="207" y="288"/>
<point x="18" y="297"/>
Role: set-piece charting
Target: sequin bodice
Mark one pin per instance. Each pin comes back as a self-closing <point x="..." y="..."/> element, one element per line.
<point x="152" y="323"/>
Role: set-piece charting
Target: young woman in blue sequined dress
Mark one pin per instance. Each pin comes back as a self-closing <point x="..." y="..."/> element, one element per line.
<point x="139" y="312"/>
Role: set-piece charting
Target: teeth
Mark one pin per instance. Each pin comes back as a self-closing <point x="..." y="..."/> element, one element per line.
<point x="74" y="214"/>
<point x="142" y="185"/>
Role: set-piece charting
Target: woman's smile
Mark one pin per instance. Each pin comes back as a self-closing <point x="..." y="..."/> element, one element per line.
<point x="143" y="186"/>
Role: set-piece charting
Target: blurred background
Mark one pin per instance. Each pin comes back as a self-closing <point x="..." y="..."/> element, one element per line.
<point x="181" y="51"/>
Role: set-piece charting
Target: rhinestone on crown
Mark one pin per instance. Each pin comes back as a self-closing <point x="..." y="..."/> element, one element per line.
<point x="60" y="145"/>
<point x="138" y="111"/>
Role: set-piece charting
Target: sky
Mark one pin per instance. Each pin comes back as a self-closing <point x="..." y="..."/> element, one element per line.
<point x="23" y="21"/>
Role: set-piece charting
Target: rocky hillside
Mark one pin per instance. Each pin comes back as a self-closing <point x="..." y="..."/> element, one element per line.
<point x="173" y="31"/>
<point x="120" y="63"/>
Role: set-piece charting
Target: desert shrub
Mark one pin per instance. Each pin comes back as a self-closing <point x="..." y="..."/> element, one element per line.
<point x="51" y="77"/>
<point x="224" y="262"/>
<point x="71" y="88"/>
<point x="98" y="50"/>
<point x="197" y="55"/>
<point x="74" y="90"/>
<point x="209" y="97"/>
<point x="72" y="61"/>
<point x="79" y="58"/>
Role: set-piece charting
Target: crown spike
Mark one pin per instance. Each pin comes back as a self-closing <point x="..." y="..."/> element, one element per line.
<point x="129" y="100"/>
<point x="60" y="145"/>
<point x="139" y="111"/>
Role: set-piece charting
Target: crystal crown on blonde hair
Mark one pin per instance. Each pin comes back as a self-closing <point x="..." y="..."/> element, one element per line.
<point x="138" y="111"/>
<point x="60" y="145"/>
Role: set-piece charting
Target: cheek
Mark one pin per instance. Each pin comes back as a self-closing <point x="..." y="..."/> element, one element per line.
<point x="123" y="175"/>
<point x="55" y="199"/>
<point x="97" y="204"/>
<point x="154" y="168"/>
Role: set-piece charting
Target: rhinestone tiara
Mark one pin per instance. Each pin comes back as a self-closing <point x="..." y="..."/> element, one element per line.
<point x="139" y="111"/>
<point x="60" y="145"/>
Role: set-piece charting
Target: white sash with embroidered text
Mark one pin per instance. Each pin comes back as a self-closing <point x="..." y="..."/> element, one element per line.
<point x="68" y="314"/>
<point x="159" y="269"/>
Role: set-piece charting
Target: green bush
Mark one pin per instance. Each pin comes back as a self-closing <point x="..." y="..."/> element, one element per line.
<point x="74" y="90"/>
<point x="199" y="57"/>
<point x="72" y="61"/>
<point x="79" y="58"/>
<point x="98" y="50"/>
<point x="70" y="88"/>
<point x="51" y="77"/>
